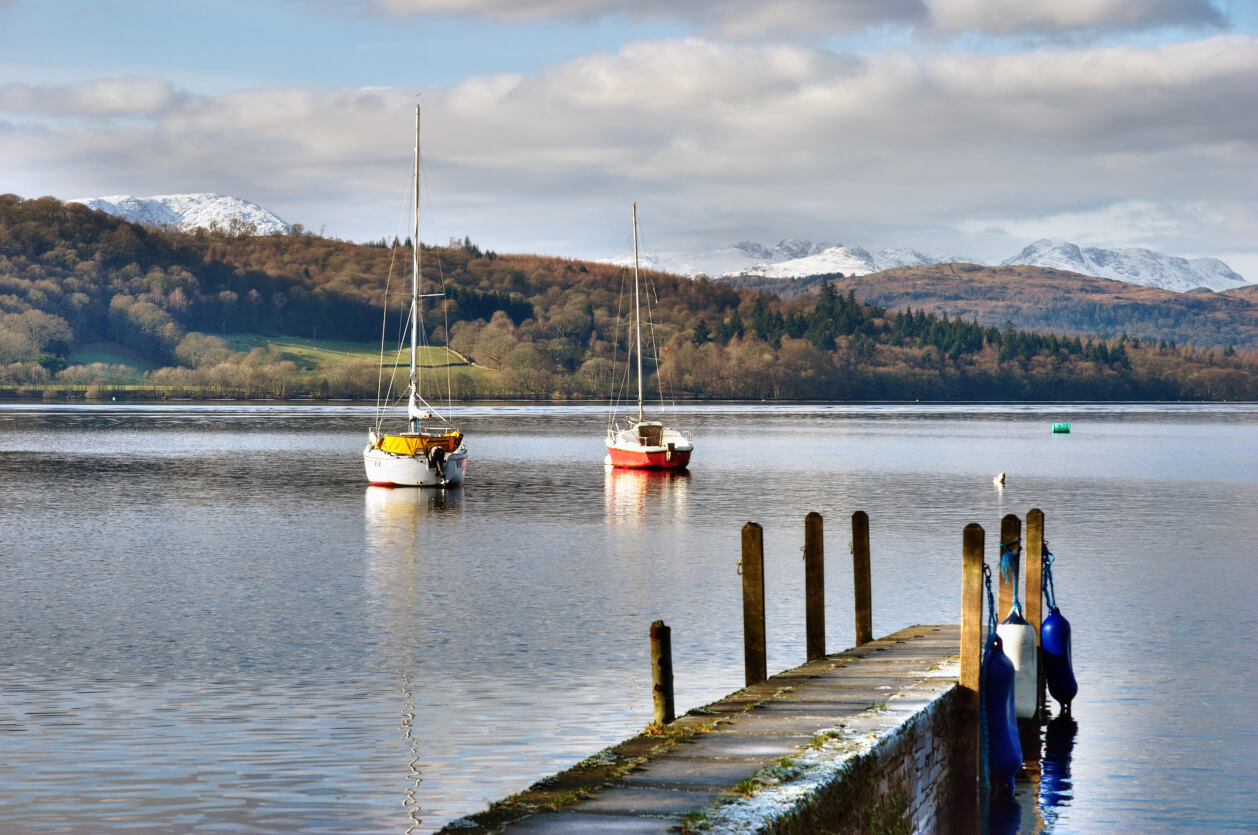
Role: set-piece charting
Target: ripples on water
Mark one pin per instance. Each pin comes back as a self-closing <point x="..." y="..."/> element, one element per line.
<point x="209" y="621"/>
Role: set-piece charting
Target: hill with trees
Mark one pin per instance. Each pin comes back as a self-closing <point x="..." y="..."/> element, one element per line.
<point x="1046" y="299"/>
<point x="190" y="303"/>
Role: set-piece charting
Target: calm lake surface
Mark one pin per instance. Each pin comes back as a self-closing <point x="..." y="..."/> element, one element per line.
<point x="208" y="622"/>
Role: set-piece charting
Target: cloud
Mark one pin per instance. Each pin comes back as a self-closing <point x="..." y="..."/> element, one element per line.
<point x="1057" y="17"/>
<point x="1124" y="223"/>
<point x="99" y="99"/>
<point x="760" y="20"/>
<point x="716" y="142"/>
<point x="744" y="19"/>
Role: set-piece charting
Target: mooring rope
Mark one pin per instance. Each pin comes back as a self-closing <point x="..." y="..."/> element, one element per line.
<point x="1050" y="594"/>
<point x="984" y="778"/>
<point x="1008" y="559"/>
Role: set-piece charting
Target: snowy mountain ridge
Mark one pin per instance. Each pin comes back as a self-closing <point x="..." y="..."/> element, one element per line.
<point x="794" y="258"/>
<point x="190" y="211"/>
<point x="1134" y="265"/>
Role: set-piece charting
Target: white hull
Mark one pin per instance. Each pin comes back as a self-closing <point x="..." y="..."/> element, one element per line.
<point x="385" y="468"/>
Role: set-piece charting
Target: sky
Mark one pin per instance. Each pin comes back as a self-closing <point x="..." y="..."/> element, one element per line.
<point x="961" y="127"/>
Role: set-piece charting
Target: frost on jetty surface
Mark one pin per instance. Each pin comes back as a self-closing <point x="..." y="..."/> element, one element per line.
<point x="834" y="754"/>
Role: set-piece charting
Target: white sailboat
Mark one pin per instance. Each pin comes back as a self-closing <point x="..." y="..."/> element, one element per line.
<point x="644" y="444"/>
<point x="430" y="452"/>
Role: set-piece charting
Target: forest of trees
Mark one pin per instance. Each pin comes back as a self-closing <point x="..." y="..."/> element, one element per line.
<point x="537" y="326"/>
<point x="1044" y="299"/>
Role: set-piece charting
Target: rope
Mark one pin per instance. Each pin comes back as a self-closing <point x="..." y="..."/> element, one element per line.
<point x="1050" y="594"/>
<point x="983" y="769"/>
<point x="1008" y="572"/>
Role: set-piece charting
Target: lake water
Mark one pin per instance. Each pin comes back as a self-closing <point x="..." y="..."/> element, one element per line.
<point x="208" y="622"/>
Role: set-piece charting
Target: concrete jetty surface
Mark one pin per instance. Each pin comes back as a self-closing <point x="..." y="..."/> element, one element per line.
<point x="849" y="742"/>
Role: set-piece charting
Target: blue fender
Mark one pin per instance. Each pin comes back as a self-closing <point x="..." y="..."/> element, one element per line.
<point x="1004" y="750"/>
<point x="1055" y="640"/>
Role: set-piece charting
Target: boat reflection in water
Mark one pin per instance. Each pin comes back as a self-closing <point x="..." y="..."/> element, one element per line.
<point x="393" y="510"/>
<point x="401" y="522"/>
<point x="631" y="496"/>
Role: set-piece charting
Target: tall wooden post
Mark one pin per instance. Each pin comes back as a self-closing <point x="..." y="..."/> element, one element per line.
<point x="860" y="578"/>
<point x="814" y="586"/>
<point x="1010" y="531"/>
<point x="755" y="663"/>
<point x="1034" y="604"/>
<point x="662" y="673"/>
<point x="968" y="744"/>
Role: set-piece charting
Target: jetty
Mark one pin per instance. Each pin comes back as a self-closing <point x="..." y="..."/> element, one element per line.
<point x="881" y="737"/>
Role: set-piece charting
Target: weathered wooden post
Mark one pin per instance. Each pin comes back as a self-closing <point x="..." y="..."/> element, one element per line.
<point x="752" y="569"/>
<point x="662" y="673"/>
<point x="1035" y="593"/>
<point x="860" y="578"/>
<point x="814" y="586"/>
<point x="1010" y="539"/>
<point x="968" y="743"/>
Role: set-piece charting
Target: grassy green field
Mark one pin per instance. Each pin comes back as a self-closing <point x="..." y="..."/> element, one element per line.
<point x="327" y="368"/>
<point x="110" y="353"/>
<point x="309" y="354"/>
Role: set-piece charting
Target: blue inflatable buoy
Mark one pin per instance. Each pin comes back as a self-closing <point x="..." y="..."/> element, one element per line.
<point x="1055" y="640"/>
<point x="1004" y="751"/>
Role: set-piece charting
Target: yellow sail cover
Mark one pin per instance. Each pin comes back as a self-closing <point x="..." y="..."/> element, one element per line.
<point x="418" y="444"/>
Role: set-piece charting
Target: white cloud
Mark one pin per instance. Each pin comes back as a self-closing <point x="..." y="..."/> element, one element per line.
<point x="717" y="143"/>
<point x="1054" y="17"/>
<point x="744" y="19"/>
<point x="1125" y="223"/>
<point x="102" y="98"/>
<point x="758" y="20"/>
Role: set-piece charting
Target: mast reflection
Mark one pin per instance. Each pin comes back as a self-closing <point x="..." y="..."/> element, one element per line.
<point x="401" y="524"/>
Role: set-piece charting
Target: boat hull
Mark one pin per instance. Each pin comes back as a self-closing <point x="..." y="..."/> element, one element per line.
<point x="392" y="470"/>
<point x="648" y="458"/>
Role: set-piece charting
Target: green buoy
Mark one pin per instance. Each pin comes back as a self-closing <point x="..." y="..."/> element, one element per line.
<point x="1061" y="428"/>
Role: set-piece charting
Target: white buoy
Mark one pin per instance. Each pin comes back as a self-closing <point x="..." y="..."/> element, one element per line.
<point x="999" y="480"/>
<point x="1017" y="638"/>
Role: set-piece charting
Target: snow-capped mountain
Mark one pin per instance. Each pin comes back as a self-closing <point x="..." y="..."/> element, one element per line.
<point x="730" y="260"/>
<point x="792" y="258"/>
<point x="189" y="211"/>
<point x="848" y="260"/>
<point x="1135" y="265"/>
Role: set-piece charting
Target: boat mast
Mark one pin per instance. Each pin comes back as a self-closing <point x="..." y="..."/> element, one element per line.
<point x="637" y="309"/>
<point x="415" y="311"/>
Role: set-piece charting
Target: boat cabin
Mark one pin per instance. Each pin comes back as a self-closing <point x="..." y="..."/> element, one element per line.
<point x="650" y="434"/>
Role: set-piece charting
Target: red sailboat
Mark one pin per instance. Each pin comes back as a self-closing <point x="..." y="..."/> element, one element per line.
<point x="639" y="443"/>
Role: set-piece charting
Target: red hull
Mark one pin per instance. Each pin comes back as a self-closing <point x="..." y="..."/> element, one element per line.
<point x="648" y="460"/>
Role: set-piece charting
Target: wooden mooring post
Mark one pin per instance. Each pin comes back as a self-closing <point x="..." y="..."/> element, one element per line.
<point x="1010" y="539"/>
<point x="751" y="566"/>
<point x="662" y="673"/>
<point x="814" y="586"/>
<point x="1034" y="604"/>
<point x="968" y="742"/>
<point x="861" y="587"/>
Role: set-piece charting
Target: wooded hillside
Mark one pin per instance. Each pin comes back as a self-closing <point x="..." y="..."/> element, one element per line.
<point x="1045" y="299"/>
<point x="534" y="326"/>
